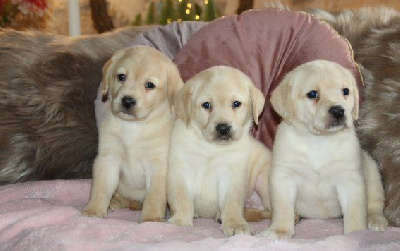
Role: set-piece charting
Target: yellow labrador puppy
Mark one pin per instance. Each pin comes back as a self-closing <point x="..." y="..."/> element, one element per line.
<point x="134" y="136"/>
<point x="319" y="170"/>
<point x="214" y="162"/>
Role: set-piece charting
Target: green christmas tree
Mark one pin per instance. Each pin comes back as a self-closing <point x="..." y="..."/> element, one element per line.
<point x="186" y="11"/>
<point x="168" y="12"/>
<point x="151" y="19"/>
<point x="138" y="20"/>
<point x="210" y="12"/>
<point x="179" y="10"/>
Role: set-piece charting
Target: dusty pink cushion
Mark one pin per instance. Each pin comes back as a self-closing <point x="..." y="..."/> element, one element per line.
<point x="266" y="45"/>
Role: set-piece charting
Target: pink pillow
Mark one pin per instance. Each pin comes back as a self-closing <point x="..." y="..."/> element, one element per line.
<point x="266" y="45"/>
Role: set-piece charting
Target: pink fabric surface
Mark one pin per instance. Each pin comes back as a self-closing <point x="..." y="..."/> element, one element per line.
<point x="45" y="215"/>
<point x="265" y="45"/>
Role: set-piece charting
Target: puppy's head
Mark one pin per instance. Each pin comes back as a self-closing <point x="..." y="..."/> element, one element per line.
<point x="320" y="95"/>
<point x="221" y="102"/>
<point x="139" y="80"/>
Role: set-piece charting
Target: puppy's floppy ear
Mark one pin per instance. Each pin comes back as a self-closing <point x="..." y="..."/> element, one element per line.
<point x="105" y="81"/>
<point x="107" y="72"/>
<point x="175" y="83"/>
<point x="258" y="101"/>
<point x="356" y="97"/>
<point x="281" y="99"/>
<point x="183" y="102"/>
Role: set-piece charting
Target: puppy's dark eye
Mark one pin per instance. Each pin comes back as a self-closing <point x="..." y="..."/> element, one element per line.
<point x="236" y="104"/>
<point x="121" y="77"/>
<point x="150" y="85"/>
<point x="206" y="105"/>
<point x="346" y="91"/>
<point x="313" y="94"/>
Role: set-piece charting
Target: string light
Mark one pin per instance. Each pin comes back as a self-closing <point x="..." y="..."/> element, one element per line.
<point x="188" y="11"/>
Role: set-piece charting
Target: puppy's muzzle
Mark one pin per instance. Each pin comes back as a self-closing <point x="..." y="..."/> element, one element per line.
<point x="337" y="114"/>
<point x="223" y="131"/>
<point x="128" y="102"/>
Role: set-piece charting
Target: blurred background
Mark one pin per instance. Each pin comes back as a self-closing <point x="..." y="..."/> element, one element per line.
<point x="97" y="16"/>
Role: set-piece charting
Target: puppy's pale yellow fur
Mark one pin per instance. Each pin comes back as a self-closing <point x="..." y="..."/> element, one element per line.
<point x="319" y="170"/>
<point x="134" y="144"/>
<point x="210" y="177"/>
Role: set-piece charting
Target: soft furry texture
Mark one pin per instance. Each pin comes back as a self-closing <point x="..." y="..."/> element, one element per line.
<point x="168" y="39"/>
<point x="47" y="87"/>
<point x="375" y="36"/>
<point x="318" y="168"/>
<point x="214" y="162"/>
<point x="134" y="136"/>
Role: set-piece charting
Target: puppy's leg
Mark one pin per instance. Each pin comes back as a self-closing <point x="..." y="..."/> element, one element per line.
<point x="352" y="199"/>
<point x="262" y="189"/>
<point x="375" y="194"/>
<point x="181" y="202"/>
<point x="232" y="199"/>
<point x="260" y="164"/>
<point x="155" y="202"/>
<point x="105" y="182"/>
<point x="283" y="197"/>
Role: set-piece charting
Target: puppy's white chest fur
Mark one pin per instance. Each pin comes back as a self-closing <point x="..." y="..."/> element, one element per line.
<point x="134" y="146"/>
<point x="207" y="168"/>
<point x="318" y="164"/>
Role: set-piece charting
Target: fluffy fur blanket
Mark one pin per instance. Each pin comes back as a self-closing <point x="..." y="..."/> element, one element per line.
<point x="48" y="85"/>
<point x="45" y="215"/>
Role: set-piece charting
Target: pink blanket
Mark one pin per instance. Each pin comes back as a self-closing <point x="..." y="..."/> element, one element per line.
<point x="46" y="215"/>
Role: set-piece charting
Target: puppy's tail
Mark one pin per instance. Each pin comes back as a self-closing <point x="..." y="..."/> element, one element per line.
<point x="254" y="214"/>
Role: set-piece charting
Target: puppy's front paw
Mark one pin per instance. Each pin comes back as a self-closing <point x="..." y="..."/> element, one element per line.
<point x="94" y="212"/>
<point x="234" y="228"/>
<point x="153" y="215"/>
<point x="277" y="234"/>
<point x="181" y="221"/>
<point x="377" y="222"/>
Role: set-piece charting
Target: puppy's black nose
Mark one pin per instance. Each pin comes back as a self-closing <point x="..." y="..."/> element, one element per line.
<point x="223" y="129"/>
<point x="336" y="111"/>
<point x="128" y="102"/>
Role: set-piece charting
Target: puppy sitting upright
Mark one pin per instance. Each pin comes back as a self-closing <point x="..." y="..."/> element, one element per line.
<point x="134" y="136"/>
<point x="214" y="162"/>
<point x="319" y="170"/>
